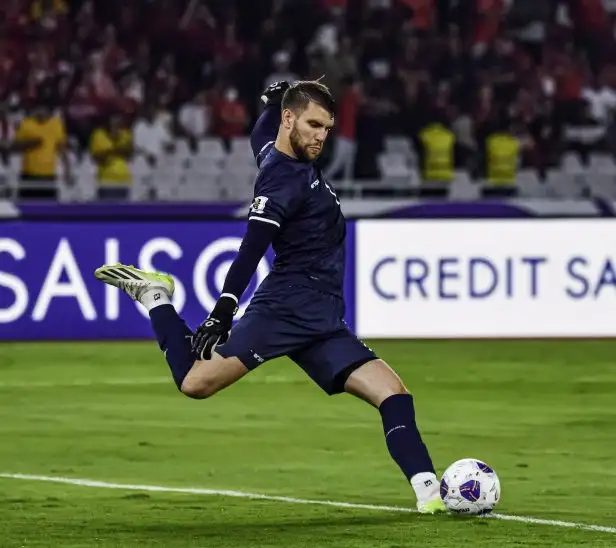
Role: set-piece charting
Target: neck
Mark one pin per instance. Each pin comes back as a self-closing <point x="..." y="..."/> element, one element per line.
<point x="284" y="145"/>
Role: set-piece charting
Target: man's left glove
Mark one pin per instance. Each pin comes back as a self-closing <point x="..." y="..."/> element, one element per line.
<point x="273" y="94"/>
<point x="215" y="329"/>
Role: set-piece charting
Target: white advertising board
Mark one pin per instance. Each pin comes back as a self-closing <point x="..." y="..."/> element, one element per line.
<point x="486" y="278"/>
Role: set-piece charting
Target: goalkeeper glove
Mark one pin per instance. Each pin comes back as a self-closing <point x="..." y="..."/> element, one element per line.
<point x="272" y="95"/>
<point x="215" y="329"/>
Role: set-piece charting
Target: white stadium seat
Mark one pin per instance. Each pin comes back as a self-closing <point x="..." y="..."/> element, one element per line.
<point x="560" y="184"/>
<point x="602" y="185"/>
<point x="529" y="185"/>
<point x="571" y="163"/>
<point x="196" y="188"/>
<point x="240" y="146"/>
<point x="182" y="150"/>
<point x="212" y="149"/>
<point x="463" y="188"/>
<point x="394" y="169"/>
<point x="399" y="145"/>
<point x="237" y="182"/>
<point x="603" y="164"/>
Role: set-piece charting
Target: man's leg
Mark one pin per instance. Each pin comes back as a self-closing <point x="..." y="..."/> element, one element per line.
<point x="376" y="383"/>
<point x="342" y="363"/>
<point x="261" y="335"/>
<point x="206" y="377"/>
<point x="195" y="378"/>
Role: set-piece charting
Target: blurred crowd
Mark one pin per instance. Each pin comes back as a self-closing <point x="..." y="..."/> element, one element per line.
<point x="459" y="74"/>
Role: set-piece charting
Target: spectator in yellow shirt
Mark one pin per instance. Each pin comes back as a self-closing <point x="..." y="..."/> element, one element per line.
<point x="111" y="146"/>
<point x="41" y="138"/>
<point x="41" y="8"/>
<point x="437" y="145"/>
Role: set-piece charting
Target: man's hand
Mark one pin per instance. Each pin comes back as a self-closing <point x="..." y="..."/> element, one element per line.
<point x="272" y="95"/>
<point x="215" y="329"/>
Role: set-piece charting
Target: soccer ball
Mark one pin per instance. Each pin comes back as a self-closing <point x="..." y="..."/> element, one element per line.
<point x="470" y="487"/>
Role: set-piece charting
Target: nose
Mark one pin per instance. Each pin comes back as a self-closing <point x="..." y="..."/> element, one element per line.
<point x="320" y="135"/>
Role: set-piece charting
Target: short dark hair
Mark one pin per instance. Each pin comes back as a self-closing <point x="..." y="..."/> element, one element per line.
<point x="303" y="92"/>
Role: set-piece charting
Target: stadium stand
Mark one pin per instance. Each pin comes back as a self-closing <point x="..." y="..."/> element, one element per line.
<point x="185" y="77"/>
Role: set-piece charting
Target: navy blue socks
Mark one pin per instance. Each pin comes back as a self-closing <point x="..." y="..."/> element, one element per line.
<point x="402" y="436"/>
<point x="175" y="340"/>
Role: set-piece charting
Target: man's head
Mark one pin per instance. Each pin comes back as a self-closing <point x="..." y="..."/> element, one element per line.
<point x="42" y="111"/>
<point x="307" y="116"/>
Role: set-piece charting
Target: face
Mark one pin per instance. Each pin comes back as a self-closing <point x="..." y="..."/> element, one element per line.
<point x="42" y="113"/>
<point x="308" y="131"/>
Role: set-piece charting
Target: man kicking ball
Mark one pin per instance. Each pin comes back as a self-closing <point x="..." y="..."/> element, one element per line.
<point x="298" y="309"/>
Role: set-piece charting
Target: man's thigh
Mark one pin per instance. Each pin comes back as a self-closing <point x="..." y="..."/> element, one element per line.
<point x="282" y="321"/>
<point x="260" y="336"/>
<point x="330" y="360"/>
<point x="206" y="377"/>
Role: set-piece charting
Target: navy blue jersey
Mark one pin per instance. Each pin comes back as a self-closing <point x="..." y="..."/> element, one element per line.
<point x="294" y="196"/>
<point x="298" y="310"/>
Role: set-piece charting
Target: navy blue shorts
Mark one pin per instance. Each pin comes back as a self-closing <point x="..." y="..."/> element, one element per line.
<point x="304" y="324"/>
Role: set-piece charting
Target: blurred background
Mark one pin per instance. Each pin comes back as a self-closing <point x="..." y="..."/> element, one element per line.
<point x="155" y="99"/>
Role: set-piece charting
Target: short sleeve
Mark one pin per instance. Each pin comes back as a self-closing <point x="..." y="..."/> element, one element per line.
<point x="24" y="130"/>
<point x="277" y="196"/>
<point x="98" y="143"/>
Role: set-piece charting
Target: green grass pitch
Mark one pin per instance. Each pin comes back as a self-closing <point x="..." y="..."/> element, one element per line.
<point x="543" y="414"/>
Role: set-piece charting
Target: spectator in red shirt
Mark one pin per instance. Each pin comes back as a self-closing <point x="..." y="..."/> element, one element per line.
<point x="487" y="23"/>
<point x="424" y="13"/>
<point x="568" y="79"/>
<point x="593" y="32"/>
<point x="229" y="49"/>
<point x="589" y="15"/>
<point x="232" y="116"/>
<point x="345" y="145"/>
<point x="112" y="53"/>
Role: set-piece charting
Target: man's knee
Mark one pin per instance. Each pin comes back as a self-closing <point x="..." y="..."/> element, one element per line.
<point x="210" y="376"/>
<point x="198" y="388"/>
<point x="389" y="383"/>
<point x="374" y="382"/>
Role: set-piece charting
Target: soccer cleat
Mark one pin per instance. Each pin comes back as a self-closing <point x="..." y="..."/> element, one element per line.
<point x="133" y="281"/>
<point x="434" y="506"/>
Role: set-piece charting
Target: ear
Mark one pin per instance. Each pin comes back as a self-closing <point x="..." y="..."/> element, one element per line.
<point x="287" y="118"/>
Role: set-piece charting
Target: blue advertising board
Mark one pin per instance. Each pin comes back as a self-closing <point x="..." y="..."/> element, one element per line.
<point x="48" y="290"/>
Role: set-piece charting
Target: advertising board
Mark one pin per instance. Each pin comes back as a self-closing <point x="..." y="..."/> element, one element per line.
<point x="486" y="278"/>
<point x="48" y="290"/>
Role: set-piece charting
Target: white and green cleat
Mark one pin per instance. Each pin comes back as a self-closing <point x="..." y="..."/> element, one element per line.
<point x="134" y="281"/>
<point x="434" y="506"/>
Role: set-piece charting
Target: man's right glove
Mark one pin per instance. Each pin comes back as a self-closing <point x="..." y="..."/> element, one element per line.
<point x="272" y="95"/>
<point x="215" y="329"/>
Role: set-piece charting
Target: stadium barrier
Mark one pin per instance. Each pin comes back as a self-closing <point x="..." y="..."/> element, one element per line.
<point x="405" y="278"/>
